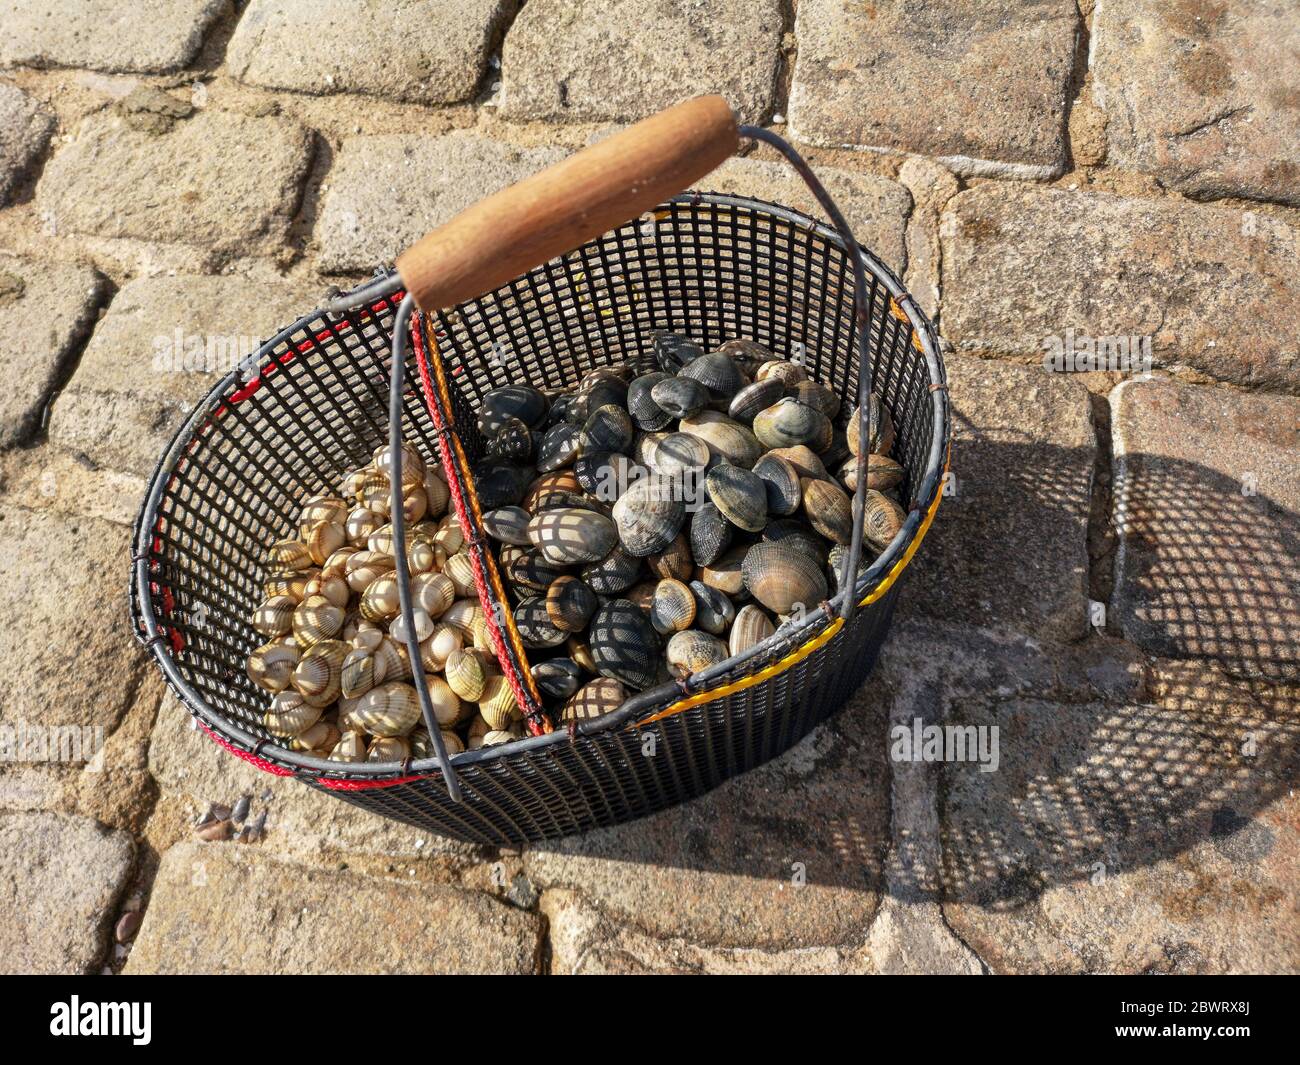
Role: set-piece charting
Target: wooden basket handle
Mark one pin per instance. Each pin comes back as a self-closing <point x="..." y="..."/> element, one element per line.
<point x="567" y="204"/>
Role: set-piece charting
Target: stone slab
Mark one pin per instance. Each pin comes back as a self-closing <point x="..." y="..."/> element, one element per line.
<point x="25" y="129"/>
<point x="876" y="208"/>
<point x="46" y="309"/>
<point x="386" y="191"/>
<point x="596" y="60"/>
<point x="1008" y="548"/>
<point x="1140" y="837"/>
<point x="225" y="908"/>
<point x="1212" y="288"/>
<point x="216" y="178"/>
<point x="60" y="877"/>
<point x="1202" y="95"/>
<point x="981" y="84"/>
<point x="163" y="343"/>
<point x="1207" y="510"/>
<point x="427" y="51"/>
<point x="146" y="38"/>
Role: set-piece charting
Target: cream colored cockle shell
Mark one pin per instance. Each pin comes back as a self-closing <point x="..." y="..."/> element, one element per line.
<point x="290" y="714"/>
<point x="271" y="666"/>
<point x="351" y="747"/>
<point x="467" y="674"/>
<point x="459" y="569"/>
<point x="316" y="619"/>
<point x="362" y="524"/>
<point x="331" y="587"/>
<point x="433" y="593"/>
<point x="438" y="648"/>
<point x="365" y="567"/>
<point x="391" y="709"/>
<point x="498" y="706"/>
<point x="318" y="675"/>
<point x="289" y="555"/>
<point x="275" y="616"/>
<point x="292" y="583"/>
<point x="320" y="739"/>
<point x="321" y="508"/>
<point x="379" y="602"/>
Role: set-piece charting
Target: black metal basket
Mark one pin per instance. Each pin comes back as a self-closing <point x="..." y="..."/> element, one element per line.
<point x="711" y="267"/>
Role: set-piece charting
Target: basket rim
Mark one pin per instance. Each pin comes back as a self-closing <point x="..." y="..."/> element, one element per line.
<point x="815" y="629"/>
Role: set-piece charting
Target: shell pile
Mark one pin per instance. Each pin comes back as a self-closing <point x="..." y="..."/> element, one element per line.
<point x="335" y="662"/>
<point x="651" y="526"/>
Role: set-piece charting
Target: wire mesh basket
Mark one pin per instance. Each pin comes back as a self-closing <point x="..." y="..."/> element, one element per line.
<point x="710" y="267"/>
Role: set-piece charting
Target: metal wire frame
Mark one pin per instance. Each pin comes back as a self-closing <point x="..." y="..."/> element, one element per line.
<point x="255" y="482"/>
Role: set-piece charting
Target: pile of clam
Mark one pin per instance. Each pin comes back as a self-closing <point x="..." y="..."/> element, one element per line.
<point x="651" y="526"/>
<point x="335" y="661"/>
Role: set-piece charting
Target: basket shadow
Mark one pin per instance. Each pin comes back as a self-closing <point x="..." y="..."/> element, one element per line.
<point x="1096" y="773"/>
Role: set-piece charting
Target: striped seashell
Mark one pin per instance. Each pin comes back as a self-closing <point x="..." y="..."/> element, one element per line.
<point x="422" y="746"/>
<point x="508" y="525"/>
<point x="647" y="517"/>
<point x="536" y="630"/>
<point x="321" y="508"/>
<point x="319" y="740"/>
<point x="374" y="494"/>
<point x="381" y="540"/>
<point x="882" y="519"/>
<point x="460" y="571"/>
<point x="347" y="714"/>
<point x="718" y="373"/>
<point x="571" y="535"/>
<point x="647" y="414"/>
<point x="750" y="628"/>
<point x="450" y="537"/>
<point x="358" y="673"/>
<point x="788" y="373"/>
<point x="275" y="616"/>
<point x="444" y="700"/>
<point x="439" y="647"/>
<point x="498" y="706"/>
<point x="740" y="495"/>
<point x="710" y="533"/>
<point x="271" y="665"/>
<point x="478" y="728"/>
<point x="351" y="747"/>
<point x="551" y="489"/>
<point x="379" y="602"/>
<point x="423" y="626"/>
<point x="388" y="749"/>
<point x="437" y="495"/>
<point x="781" y="481"/>
<point x="754" y="398"/>
<point x="292" y="583"/>
<point x="614" y="574"/>
<point x="724" y="574"/>
<point x="676" y="561"/>
<point x="497" y="737"/>
<point x="414" y="505"/>
<point x="365" y="567"/>
<point x="318" y="675"/>
<point x="673" y="608"/>
<point x="466" y="674"/>
<point x="828" y="510"/>
<point x="433" y="592"/>
<point x="362" y="524"/>
<point x="362" y="633"/>
<point x="624" y="645"/>
<point x="804" y="460"/>
<point x="728" y="440"/>
<point x="692" y="650"/>
<point x="816" y="395"/>
<point x="570" y="603"/>
<point x="714" y="611"/>
<point x="316" y="619"/>
<point x="423" y="555"/>
<point x="600" y="697"/>
<point x="290" y="714"/>
<point x="557" y="678"/>
<point x="289" y="555"/>
<point x="789" y="423"/>
<point x="350" y="485"/>
<point x="391" y="661"/>
<point x="391" y="709"/>
<point x="336" y="564"/>
<point x="882" y="435"/>
<point x="412" y="464"/>
<point x="783" y="578"/>
<point x="461" y="616"/>
<point x="323" y="539"/>
<point x="330" y="587"/>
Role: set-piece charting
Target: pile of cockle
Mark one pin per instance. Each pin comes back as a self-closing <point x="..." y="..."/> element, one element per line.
<point x="336" y="660"/>
<point x="652" y="526"/>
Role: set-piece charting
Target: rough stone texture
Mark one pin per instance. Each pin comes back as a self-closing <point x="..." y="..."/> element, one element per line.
<point x="931" y="187"/>
<point x="25" y="128"/>
<point x="1203" y="95"/>
<point x="45" y="311"/>
<point x="720" y="872"/>
<point x="1213" y="288"/>
<point x="194" y="772"/>
<point x="876" y="208"/>
<point x="423" y="50"/>
<point x="68" y="483"/>
<point x="153" y="36"/>
<point x="983" y="84"/>
<point x="225" y="908"/>
<point x="216" y="178"/>
<point x="72" y="662"/>
<point x="1009" y="545"/>
<point x="163" y="343"/>
<point x="1207" y="509"/>
<point x="61" y="876"/>
<point x="626" y="59"/>
<point x="387" y="191"/>
<point x="1155" y="836"/>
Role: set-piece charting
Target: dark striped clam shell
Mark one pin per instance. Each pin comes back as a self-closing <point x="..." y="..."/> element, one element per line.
<point x="714" y="610"/>
<point x="728" y="440"/>
<point x="828" y="510"/>
<point x="559" y="446"/>
<point x="882" y="518"/>
<point x="511" y="401"/>
<point x="816" y="395"/>
<point x="570" y="603"/>
<point x="783" y="578"/>
<point x="649" y="515"/>
<point x="740" y="495"/>
<point x="673" y="607"/>
<point x="692" y="651"/>
<point x="536" y="629"/>
<point x="624" y="645"/>
<point x="718" y="373"/>
<point x="796" y="534"/>
<point x="752" y="399"/>
<point x="681" y="396"/>
<point x="788" y="423"/>
<point x="681" y="456"/>
<point x="882" y="428"/>
<point x="710" y="533"/>
<point x="557" y="678"/>
<point x="602" y="696"/>
<point x="607" y="474"/>
<point x="614" y="574"/>
<point x="509" y="525"/>
<point x="673" y="351"/>
<point x="781" y="480"/>
<point x="570" y="535"/>
<point x="528" y="571"/>
<point x="675" y="561"/>
<point x="513" y="442"/>
<point x="647" y="414"/>
<point x="608" y="428"/>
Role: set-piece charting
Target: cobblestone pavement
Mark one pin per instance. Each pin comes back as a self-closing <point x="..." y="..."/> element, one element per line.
<point x="1114" y="582"/>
